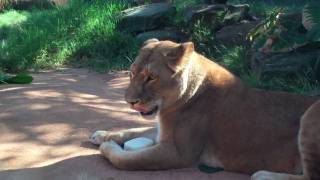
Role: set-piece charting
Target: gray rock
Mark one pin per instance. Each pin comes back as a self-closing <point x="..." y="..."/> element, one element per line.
<point x="235" y="34"/>
<point x="314" y="93"/>
<point x="167" y="34"/>
<point x="146" y="17"/>
<point x="203" y="11"/>
<point x="237" y="13"/>
<point x="283" y="63"/>
<point x="141" y="2"/>
<point x="216" y="1"/>
<point x="215" y="16"/>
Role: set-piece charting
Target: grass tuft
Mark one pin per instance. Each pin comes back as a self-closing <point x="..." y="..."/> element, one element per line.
<point x="81" y="31"/>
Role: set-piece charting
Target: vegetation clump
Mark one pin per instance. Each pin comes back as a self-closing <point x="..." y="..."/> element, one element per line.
<point x="81" y="32"/>
<point x="84" y="33"/>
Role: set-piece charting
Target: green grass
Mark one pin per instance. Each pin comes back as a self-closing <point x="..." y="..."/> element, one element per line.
<point x="85" y="35"/>
<point x="82" y="33"/>
<point x="12" y="18"/>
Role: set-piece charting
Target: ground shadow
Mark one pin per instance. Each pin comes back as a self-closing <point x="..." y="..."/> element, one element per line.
<point x="52" y="118"/>
<point x="95" y="167"/>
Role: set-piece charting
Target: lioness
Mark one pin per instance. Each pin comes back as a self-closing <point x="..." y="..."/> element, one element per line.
<point x="207" y="115"/>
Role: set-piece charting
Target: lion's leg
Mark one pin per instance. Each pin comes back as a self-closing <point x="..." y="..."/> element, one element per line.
<point x="120" y="137"/>
<point x="309" y="142"/>
<point x="266" y="175"/>
<point x="309" y="146"/>
<point x="159" y="156"/>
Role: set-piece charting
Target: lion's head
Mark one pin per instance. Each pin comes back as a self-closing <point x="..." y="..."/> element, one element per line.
<point x="158" y="76"/>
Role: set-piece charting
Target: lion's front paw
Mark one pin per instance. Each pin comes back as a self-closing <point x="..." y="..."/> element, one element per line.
<point x="265" y="175"/>
<point x="98" y="137"/>
<point x="110" y="147"/>
<point x="114" y="153"/>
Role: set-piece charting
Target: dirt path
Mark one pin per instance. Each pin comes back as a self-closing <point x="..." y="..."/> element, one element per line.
<point x="45" y="127"/>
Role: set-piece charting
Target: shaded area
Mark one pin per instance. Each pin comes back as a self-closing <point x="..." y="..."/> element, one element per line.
<point x="59" y="109"/>
<point x="45" y="128"/>
<point x="77" y="169"/>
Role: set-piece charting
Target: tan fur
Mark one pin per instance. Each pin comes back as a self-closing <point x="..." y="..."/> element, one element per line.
<point x="207" y="115"/>
<point x="309" y="142"/>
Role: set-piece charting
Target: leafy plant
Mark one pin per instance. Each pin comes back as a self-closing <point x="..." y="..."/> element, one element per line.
<point x="22" y="78"/>
<point x="235" y="59"/>
<point x="203" y="37"/>
<point x="201" y="33"/>
<point x="282" y="32"/>
<point x="265" y="27"/>
<point x="82" y="32"/>
<point x="311" y="20"/>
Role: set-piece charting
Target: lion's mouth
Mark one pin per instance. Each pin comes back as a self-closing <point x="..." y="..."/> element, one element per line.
<point x="151" y="112"/>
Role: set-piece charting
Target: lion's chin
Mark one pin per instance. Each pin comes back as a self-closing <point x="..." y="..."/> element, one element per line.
<point x="154" y="110"/>
<point x="150" y="114"/>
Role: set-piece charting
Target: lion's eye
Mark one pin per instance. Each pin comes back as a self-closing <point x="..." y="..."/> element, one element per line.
<point x="150" y="78"/>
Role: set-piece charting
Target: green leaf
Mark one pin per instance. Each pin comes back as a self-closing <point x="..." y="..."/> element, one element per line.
<point x="3" y="77"/>
<point x="21" y="78"/>
<point x="311" y="15"/>
<point x="311" y="20"/>
<point x="314" y="34"/>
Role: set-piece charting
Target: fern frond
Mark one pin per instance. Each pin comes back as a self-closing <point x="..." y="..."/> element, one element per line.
<point x="311" y="16"/>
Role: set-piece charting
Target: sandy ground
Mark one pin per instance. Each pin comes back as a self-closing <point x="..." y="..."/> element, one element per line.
<point x="44" y="129"/>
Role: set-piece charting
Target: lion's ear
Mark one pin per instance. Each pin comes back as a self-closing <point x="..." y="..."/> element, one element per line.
<point x="179" y="56"/>
<point x="150" y="41"/>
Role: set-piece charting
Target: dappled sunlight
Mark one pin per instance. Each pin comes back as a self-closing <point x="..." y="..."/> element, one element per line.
<point x="12" y="89"/>
<point x="119" y="83"/>
<point x="43" y="94"/>
<point x="70" y="79"/>
<point x="52" y="118"/>
<point x="83" y="98"/>
<point x="4" y="115"/>
<point x="12" y="18"/>
<point x="93" y="167"/>
<point x="93" y="101"/>
<point x="48" y="132"/>
<point x="39" y="106"/>
<point x="10" y="135"/>
<point x="35" y="155"/>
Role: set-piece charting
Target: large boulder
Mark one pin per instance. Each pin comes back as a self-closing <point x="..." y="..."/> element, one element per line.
<point x="141" y="2"/>
<point x="285" y="48"/>
<point x="237" y="13"/>
<point x="215" y="16"/>
<point x="216" y="1"/>
<point x="210" y="15"/>
<point x="286" y="63"/>
<point x="166" y="34"/>
<point x="314" y="93"/>
<point x="235" y="34"/>
<point x="146" y="17"/>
